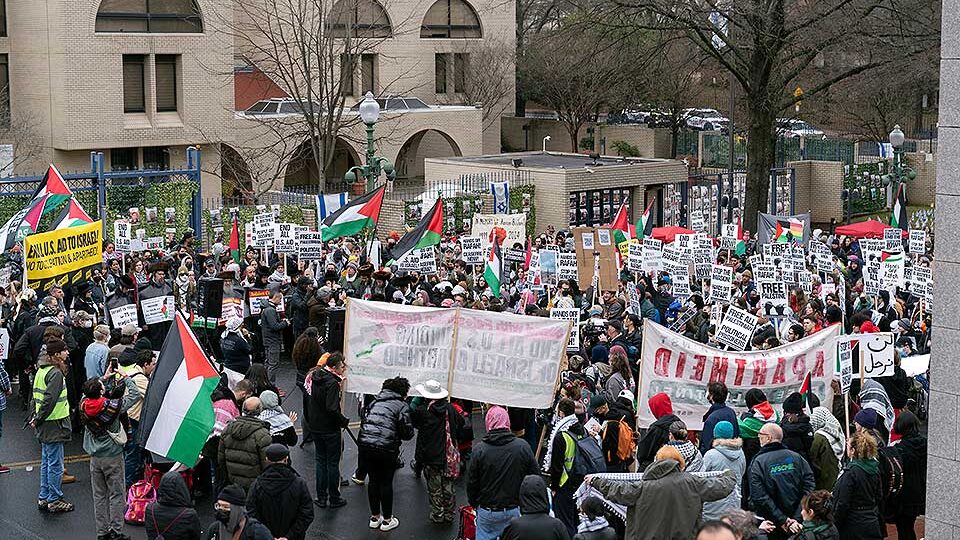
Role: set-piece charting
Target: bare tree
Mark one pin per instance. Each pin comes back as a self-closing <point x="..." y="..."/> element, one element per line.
<point x="487" y="79"/>
<point x="773" y="46"/>
<point x="19" y="129"/>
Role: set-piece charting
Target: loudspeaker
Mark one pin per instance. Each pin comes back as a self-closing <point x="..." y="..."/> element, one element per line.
<point x="336" y="322"/>
<point x="210" y="297"/>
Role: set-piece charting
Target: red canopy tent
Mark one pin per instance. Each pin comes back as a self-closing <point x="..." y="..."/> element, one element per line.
<point x="864" y="229"/>
<point x="668" y="234"/>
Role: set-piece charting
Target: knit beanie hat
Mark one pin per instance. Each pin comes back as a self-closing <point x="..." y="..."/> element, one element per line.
<point x="793" y="403"/>
<point x="866" y="418"/>
<point x="269" y="400"/>
<point x="232" y="494"/>
<point x="723" y="430"/>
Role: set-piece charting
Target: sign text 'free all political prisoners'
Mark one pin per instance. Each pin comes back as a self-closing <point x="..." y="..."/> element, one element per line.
<point x="310" y="245"/>
<point x="497" y="357"/>
<point x="737" y="328"/>
<point x="682" y="368"/>
<point x="64" y="256"/>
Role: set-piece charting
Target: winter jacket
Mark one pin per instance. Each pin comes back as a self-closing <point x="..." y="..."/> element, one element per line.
<point x="718" y="412"/>
<point x="667" y="503"/>
<point x="298" y="311"/>
<point x="387" y="423"/>
<point x="534" y="522"/>
<point x="281" y="500"/>
<point x="615" y="384"/>
<point x="779" y="478"/>
<point x="272" y="325"/>
<point x="818" y="531"/>
<point x="824" y="462"/>
<point x="96" y="441"/>
<point x="498" y="465"/>
<point x="726" y="455"/>
<point x="657" y="435"/>
<point x="606" y="533"/>
<point x="856" y="502"/>
<point x="252" y="530"/>
<point x="172" y="513"/>
<point x="797" y="433"/>
<point x="431" y="422"/>
<point x="325" y="415"/>
<point x="236" y="352"/>
<point x="242" y="454"/>
<point x="52" y="431"/>
<point x="27" y="349"/>
<point x="911" y="501"/>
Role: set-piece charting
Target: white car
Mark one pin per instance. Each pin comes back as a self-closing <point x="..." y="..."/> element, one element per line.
<point x="706" y="120"/>
<point x="791" y="127"/>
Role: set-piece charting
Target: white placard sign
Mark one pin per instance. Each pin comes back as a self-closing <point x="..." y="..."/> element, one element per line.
<point x="681" y="285"/>
<point x="472" y="249"/>
<point x="567" y="266"/>
<point x="5" y="276"/>
<point x="410" y="262"/>
<point x="635" y="257"/>
<point x="806" y="282"/>
<point x="736" y="329"/>
<point x="876" y="355"/>
<point x="697" y="222"/>
<point x="158" y="309"/>
<point x="153" y="243"/>
<point x="515" y="226"/>
<point x="652" y="254"/>
<point x="310" y="246"/>
<point x="428" y="261"/>
<point x="568" y="314"/>
<point x="603" y="237"/>
<point x="918" y="241"/>
<point x="720" y="272"/>
<point x="4" y="344"/>
<point x="123" y="315"/>
<point x="121" y="236"/>
<point x="263" y="229"/>
<point x="764" y="273"/>
<point x="284" y="238"/>
<point x="893" y="239"/>
<point x="773" y="295"/>
<point x="845" y="361"/>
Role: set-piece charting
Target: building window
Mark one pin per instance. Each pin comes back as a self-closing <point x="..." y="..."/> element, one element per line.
<point x="347" y="70"/>
<point x="133" y="95"/>
<point x="123" y="159"/>
<point x="451" y="19"/>
<point x="441" y="73"/>
<point x="156" y="158"/>
<point x="166" y="79"/>
<point x="149" y="16"/>
<point x="3" y="18"/>
<point x="4" y="92"/>
<point x="368" y="69"/>
<point x="359" y="18"/>
<point x="461" y="63"/>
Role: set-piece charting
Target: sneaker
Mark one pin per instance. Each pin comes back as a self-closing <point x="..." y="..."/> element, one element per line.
<point x="42" y="505"/>
<point x="337" y="503"/>
<point x="353" y="479"/>
<point x="390" y="524"/>
<point x="59" y="506"/>
<point x="4" y="469"/>
<point x="322" y="503"/>
<point x="375" y="522"/>
<point x="68" y="478"/>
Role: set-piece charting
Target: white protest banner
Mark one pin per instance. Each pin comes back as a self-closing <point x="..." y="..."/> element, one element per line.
<point x="568" y="314"/>
<point x="514" y="224"/>
<point x="310" y="246"/>
<point x="384" y="340"/>
<point x="123" y="315"/>
<point x="284" y="239"/>
<point x="876" y="355"/>
<point x="472" y="249"/>
<point x="683" y="368"/>
<point x="567" y="266"/>
<point x="918" y="241"/>
<point x="158" y="309"/>
<point x="736" y="329"/>
<point x="4" y="344"/>
<point x="756" y="260"/>
<point x="893" y="239"/>
<point x="681" y="285"/>
<point x="508" y="359"/>
<point x="635" y="257"/>
<point x="764" y="273"/>
<point x="920" y="283"/>
<point x="844" y="365"/>
<point x="121" y="236"/>
<point x="652" y="253"/>
<point x="428" y="261"/>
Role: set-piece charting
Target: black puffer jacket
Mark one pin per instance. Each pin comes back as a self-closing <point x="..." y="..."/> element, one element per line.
<point x="500" y="462"/>
<point x="325" y="415"/>
<point x="281" y="500"/>
<point x="172" y="513"/>
<point x="797" y="434"/>
<point x="236" y="352"/>
<point x="387" y="423"/>
<point x="431" y="421"/>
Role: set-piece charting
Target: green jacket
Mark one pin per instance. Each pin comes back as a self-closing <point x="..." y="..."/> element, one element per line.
<point x="103" y="445"/>
<point x="242" y="454"/>
<point x="826" y="467"/>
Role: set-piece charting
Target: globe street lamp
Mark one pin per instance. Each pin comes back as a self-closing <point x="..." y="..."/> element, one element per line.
<point x="370" y="171"/>
<point x="899" y="171"/>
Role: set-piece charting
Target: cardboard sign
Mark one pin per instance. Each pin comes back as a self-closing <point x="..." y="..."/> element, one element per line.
<point x="918" y="241"/>
<point x="472" y="249"/>
<point x="586" y="245"/>
<point x="121" y="236"/>
<point x="568" y="314"/>
<point x="736" y="329"/>
<point x="893" y="239"/>
<point x="876" y="355"/>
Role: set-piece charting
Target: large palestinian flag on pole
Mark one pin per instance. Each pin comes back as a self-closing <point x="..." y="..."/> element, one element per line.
<point x="177" y="416"/>
<point x="491" y="272"/>
<point x="427" y="233"/>
<point x="645" y="224"/>
<point x="72" y="215"/>
<point x="49" y="194"/>
<point x="621" y="226"/>
<point x="898" y="218"/>
<point x="358" y="214"/>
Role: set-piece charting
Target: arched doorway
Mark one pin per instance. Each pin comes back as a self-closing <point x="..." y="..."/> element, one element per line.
<point x="429" y="143"/>
<point x="236" y="180"/>
<point x="302" y="170"/>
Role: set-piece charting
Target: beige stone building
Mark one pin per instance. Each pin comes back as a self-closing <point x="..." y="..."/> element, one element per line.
<point x="141" y="81"/>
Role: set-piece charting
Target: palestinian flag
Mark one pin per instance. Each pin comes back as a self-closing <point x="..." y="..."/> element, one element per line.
<point x="891" y="257"/>
<point x="177" y="417"/>
<point x="898" y="218"/>
<point x="49" y="194"/>
<point x="645" y="224"/>
<point x="355" y="216"/>
<point x="427" y="233"/>
<point x="235" y="241"/>
<point x="806" y="390"/>
<point x="621" y="226"/>
<point x="790" y="230"/>
<point x="491" y="272"/>
<point x="741" y="247"/>
<point x="72" y="215"/>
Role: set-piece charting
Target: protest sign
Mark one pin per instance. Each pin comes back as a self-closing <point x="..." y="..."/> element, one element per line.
<point x="515" y="255"/>
<point x="652" y="252"/>
<point x="64" y="256"/>
<point x="697" y="222"/>
<point x="672" y="262"/>
<point x="157" y="309"/>
<point x="310" y="246"/>
<point x="703" y="262"/>
<point x="587" y="246"/>
<point x="736" y="329"/>
<point x="569" y="314"/>
<point x="263" y="229"/>
<point x="255" y="298"/>
<point x="681" y="285"/>
<point x="515" y="226"/>
<point x="472" y="249"/>
<point x="567" y="266"/>
<point x="844" y="365"/>
<point x="410" y="262"/>
<point x="756" y="260"/>
<point x="918" y="241"/>
<point x="805" y="280"/>
<point x="5" y="273"/>
<point x="893" y="239"/>
<point x="603" y="237"/>
<point x="684" y="243"/>
<point x="635" y="257"/>
<point x="428" y="261"/>
<point x="508" y="359"/>
<point x="121" y="236"/>
<point x="764" y="273"/>
<point x="876" y="355"/>
<point x="123" y="315"/>
<point x="284" y="239"/>
<point x="153" y="243"/>
<point x="4" y="344"/>
<point x="892" y="270"/>
<point x="773" y="298"/>
<point x="682" y="368"/>
<point x="633" y="299"/>
<point x="548" y="267"/>
<point x="720" y="272"/>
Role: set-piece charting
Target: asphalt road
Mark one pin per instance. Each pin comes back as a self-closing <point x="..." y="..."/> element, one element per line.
<point x="19" y="518"/>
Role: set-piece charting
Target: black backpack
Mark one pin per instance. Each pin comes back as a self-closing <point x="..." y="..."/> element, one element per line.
<point x="891" y="480"/>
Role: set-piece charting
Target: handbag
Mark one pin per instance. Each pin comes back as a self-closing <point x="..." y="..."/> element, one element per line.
<point x="120" y="437"/>
<point x="453" y="454"/>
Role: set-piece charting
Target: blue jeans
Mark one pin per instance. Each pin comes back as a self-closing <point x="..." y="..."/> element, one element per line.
<point x="51" y="471"/>
<point x="132" y="457"/>
<point x="491" y="524"/>
<point x="328" y="447"/>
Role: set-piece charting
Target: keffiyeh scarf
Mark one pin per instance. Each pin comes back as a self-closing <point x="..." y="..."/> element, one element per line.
<point x="823" y="422"/>
<point x="562" y="425"/>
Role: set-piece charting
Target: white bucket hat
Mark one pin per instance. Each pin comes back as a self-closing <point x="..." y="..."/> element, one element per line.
<point x="431" y="390"/>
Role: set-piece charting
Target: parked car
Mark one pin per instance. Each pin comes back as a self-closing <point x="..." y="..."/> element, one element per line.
<point x="706" y="120"/>
<point x="792" y="127"/>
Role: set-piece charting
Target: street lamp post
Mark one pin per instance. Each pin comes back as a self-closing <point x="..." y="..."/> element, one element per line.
<point x="899" y="171"/>
<point x="370" y="171"/>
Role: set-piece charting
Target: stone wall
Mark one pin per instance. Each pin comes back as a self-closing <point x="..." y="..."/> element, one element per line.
<point x="652" y="143"/>
<point x="922" y="190"/>
<point x="818" y="188"/>
<point x="516" y="139"/>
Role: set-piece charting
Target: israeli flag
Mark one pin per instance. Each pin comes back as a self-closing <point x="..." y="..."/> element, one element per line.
<point x="501" y="197"/>
<point x="328" y="204"/>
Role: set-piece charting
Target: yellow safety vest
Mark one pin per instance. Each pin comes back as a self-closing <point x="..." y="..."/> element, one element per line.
<point x="62" y="409"/>
<point x="569" y="453"/>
